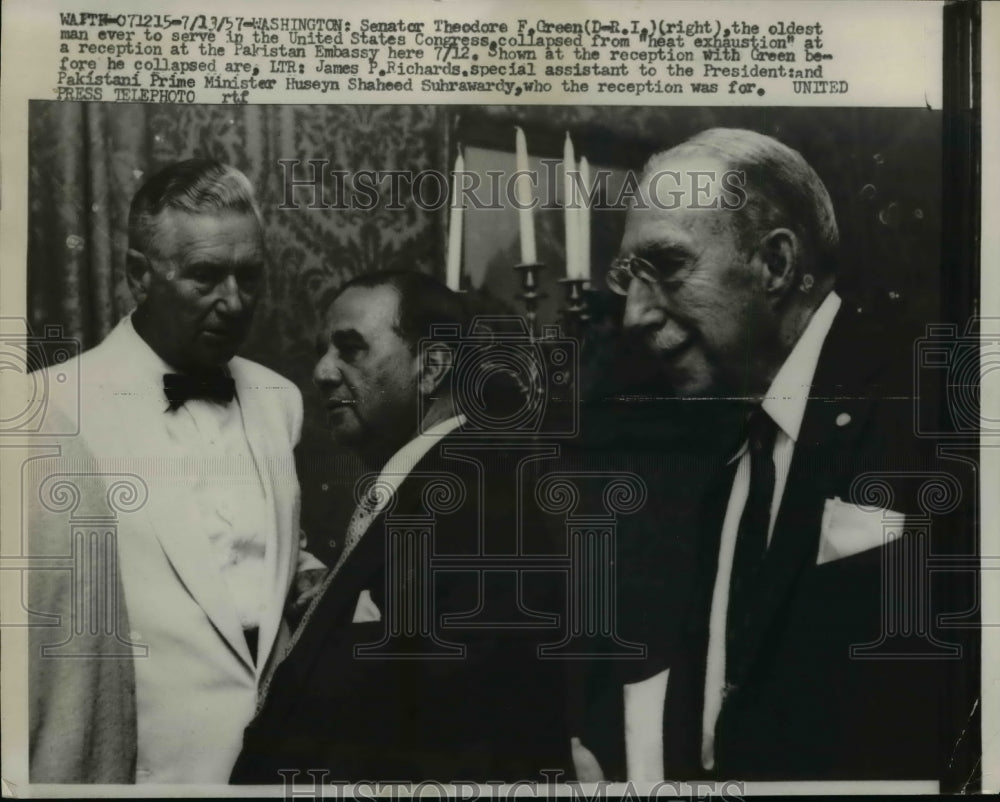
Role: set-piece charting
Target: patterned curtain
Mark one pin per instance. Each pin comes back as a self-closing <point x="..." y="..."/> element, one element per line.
<point x="88" y="159"/>
<point x="883" y="168"/>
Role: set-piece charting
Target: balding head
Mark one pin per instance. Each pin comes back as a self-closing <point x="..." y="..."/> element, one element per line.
<point x="728" y="252"/>
<point x="781" y="189"/>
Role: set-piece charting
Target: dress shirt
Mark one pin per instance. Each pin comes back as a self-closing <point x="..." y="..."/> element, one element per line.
<point x="226" y="486"/>
<point x="785" y="403"/>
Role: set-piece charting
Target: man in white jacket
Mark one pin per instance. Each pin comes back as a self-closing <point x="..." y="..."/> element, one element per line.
<point x="207" y="562"/>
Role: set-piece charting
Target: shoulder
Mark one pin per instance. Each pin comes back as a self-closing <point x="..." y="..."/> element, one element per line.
<point x="69" y="363"/>
<point x="864" y="355"/>
<point x="255" y="376"/>
<point x="268" y="389"/>
<point x="871" y="402"/>
<point x="72" y="379"/>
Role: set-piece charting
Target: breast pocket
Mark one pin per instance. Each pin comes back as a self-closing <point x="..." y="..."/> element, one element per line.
<point x="848" y="530"/>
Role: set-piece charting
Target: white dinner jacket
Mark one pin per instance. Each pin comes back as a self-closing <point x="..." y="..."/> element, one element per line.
<point x="196" y="689"/>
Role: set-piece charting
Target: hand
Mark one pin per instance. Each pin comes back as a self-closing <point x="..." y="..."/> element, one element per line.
<point x="305" y="588"/>
<point x="588" y="770"/>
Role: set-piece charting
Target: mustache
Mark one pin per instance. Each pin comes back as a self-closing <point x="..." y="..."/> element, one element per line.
<point x="662" y="339"/>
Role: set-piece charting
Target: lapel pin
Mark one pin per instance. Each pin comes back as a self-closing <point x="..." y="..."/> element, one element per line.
<point x="843" y="419"/>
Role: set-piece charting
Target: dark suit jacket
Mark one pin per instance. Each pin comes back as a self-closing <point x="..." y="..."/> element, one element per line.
<point x="804" y="705"/>
<point x="675" y="447"/>
<point x="496" y="713"/>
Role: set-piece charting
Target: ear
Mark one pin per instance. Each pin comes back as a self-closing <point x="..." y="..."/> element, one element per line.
<point x="138" y="272"/>
<point x="436" y="364"/>
<point x="778" y="253"/>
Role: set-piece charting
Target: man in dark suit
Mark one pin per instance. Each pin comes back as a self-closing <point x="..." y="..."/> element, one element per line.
<point x="388" y="676"/>
<point x="810" y="647"/>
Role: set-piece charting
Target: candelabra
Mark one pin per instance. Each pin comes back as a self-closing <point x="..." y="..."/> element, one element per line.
<point x="579" y="300"/>
<point x="529" y="290"/>
<point x="590" y="301"/>
<point x="576" y="313"/>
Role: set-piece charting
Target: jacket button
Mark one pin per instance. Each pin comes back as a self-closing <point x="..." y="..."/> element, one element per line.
<point x="843" y="419"/>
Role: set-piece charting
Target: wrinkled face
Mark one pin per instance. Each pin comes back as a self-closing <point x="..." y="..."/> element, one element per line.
<point x="367" y="373"/>
<point x="200" y="286"/>
<point x="702" y="319"/>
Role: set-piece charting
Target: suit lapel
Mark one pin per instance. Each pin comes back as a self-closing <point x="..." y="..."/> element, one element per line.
<point x="365" y="563"/>
<point x="841" y="391"/>
<point x="364" y="567"/>
<point x="140" y="428"/>
<point x="365" y="557"/>
<point x="259" y="429"/>
<point x="333" y="606"/>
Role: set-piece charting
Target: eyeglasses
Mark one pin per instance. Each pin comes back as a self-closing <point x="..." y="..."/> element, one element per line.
<point x="626" y="268"/>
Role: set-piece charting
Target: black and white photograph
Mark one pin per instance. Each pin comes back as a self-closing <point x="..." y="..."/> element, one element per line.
<point x="592" y="449"/>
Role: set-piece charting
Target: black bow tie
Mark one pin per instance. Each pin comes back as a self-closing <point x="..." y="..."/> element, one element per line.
<point x="181" y="387"/>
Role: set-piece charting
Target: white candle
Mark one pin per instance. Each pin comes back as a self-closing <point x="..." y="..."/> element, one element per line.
<point x="585" y="220"/>
<point x="522" y="191"/>
<point x="572" y="230"/>
<point x="453" y="270"/>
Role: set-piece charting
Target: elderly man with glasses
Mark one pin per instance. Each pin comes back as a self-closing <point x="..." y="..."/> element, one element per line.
<point x="780" y="668"/>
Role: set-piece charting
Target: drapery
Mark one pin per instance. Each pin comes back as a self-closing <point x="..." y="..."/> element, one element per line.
<point x="88" y="159"/>
<point x="883" y="168"/>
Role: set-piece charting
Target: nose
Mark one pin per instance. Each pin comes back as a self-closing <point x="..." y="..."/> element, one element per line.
<point x="642" y="306"/>
<point x="326" y="374"/>
<point x="229" y="295"/>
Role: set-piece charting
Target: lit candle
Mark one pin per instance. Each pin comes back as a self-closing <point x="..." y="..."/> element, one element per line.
<point x="453" y="270"/>
<point x="522" y="191"/>
<point x="585" y="220"/>
<point x="572" y="230"/>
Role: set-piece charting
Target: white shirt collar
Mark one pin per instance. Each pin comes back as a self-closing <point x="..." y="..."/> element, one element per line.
<point x="403" y="461"/>
<point x="788" y="394"/>
<point x="146" y="367"/>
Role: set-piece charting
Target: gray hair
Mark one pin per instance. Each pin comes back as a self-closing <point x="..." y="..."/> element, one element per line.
<point x="781" y="188"/>
<point x="192" y="186"/>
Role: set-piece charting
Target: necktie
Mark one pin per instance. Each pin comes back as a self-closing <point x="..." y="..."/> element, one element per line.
<point x="363" y="515"/>
<point x="751" y="539"/>
<point x="181" y="387"/>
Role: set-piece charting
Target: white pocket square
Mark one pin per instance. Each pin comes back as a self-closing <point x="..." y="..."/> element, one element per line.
<point x="366" y="610"/>
<point x="848" y="529"/>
